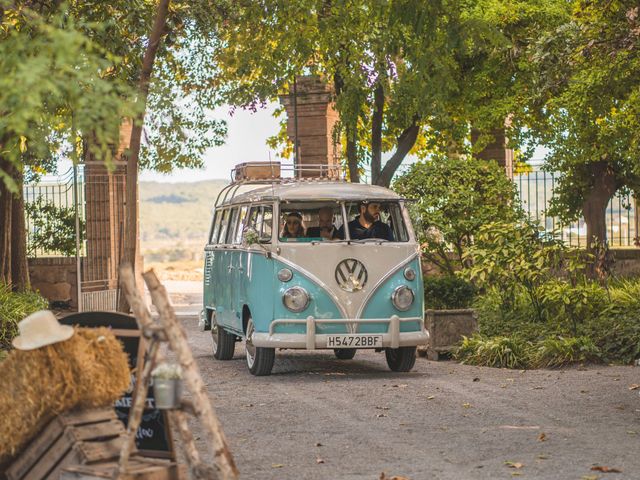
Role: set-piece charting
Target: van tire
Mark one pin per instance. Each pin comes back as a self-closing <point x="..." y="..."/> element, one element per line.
<point x="344" y="353"/>
<point x="401" y="359"/>
<point x="259" y="359"/>
<point x="224" y="343"/>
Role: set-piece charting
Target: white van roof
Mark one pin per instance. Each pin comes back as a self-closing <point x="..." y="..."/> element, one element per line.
<point x="314" y="191"/>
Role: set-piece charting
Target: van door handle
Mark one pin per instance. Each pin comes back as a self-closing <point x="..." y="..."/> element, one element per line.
<point x="240" y="269"/>
<point x="229" y="268"/>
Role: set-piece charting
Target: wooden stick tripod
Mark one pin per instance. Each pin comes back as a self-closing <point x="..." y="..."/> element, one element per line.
<point x="169" y="330"/>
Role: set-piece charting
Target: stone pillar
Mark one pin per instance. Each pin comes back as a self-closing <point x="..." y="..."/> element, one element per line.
<point x="497" y="150"/>
<point x="105" y="217"/>
<point x="104" y="214"/>
<point x="316" y="118"/>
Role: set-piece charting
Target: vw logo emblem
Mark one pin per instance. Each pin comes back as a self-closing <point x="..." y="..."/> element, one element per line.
<point x="351" y="275"/>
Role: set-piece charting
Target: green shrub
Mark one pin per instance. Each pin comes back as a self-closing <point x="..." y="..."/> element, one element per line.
<point x="448" y="292"/>
<point x="13" y="308"/>
<point x="559" y="351"/>
<point x="454" y="197"/>
<point x="617" y="336"/>
<point x="501" y="352"/>
<point x="53" y="228"/>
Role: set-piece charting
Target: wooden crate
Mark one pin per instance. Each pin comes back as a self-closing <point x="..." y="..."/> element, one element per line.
<point x="139" y="468"/>
<point x="71" y="437"/>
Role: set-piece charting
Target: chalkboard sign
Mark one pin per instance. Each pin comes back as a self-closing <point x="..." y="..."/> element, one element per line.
<point x="153" y="437"/>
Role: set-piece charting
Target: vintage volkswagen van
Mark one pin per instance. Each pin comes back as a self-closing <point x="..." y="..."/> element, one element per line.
<point x="311" y="292"/>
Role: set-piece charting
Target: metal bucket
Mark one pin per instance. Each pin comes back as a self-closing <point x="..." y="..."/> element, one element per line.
<point x="167" y="392"/>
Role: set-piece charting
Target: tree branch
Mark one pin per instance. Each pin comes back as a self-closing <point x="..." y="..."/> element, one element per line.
<point x="406" y="141"/>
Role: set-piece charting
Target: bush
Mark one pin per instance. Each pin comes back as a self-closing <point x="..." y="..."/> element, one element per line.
<point x="501" y="352"/>
<point x="448" y="292"/>
<point x="582" y="322"/>
<point x="454" y="197"/>
<point x="559" y="351"/>
<point x="13" y="308"/>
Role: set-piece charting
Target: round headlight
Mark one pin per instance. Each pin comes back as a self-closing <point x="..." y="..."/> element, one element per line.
<point x="295" y="299"/>
<point x="285" y="275"/>
<point x="402" y="298"/>
<point x="410" y="274"/>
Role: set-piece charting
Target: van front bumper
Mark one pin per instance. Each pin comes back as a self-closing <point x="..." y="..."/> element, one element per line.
<point x="311" y="340"/>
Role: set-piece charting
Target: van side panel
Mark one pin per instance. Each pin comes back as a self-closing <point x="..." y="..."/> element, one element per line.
<point x="381" y="306"/>
<point x="256" y="288"/>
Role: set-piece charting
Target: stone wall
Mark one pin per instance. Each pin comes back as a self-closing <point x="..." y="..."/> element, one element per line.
<point x="55" y="278"/>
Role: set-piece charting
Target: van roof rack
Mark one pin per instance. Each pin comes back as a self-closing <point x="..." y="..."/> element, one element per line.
<point x="270" y="173"/>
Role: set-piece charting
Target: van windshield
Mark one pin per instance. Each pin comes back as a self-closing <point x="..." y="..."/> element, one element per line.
<point x="325" y="221"/>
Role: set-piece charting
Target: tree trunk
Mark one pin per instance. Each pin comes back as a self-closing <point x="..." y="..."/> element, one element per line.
<point x="130" y="250"/>
<point x="406" y="141"/>
<point x="352" y="154"/>
<point x="19" y="267"/>
<point x="376" y="133"/>
<point x="6" y="200"/>
<point x="594" y="206"/>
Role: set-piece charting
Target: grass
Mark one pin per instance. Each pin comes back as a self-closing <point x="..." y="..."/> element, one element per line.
<point x="13" y="308"/>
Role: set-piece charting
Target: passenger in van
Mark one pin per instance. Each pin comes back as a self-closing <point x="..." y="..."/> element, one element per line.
<point x="368" y="224"/>
<point x="293" y="227"/>
<point x="325" y="229"/>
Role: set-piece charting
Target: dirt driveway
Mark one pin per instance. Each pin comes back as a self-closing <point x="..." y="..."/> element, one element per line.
<point x="320" y="418"/>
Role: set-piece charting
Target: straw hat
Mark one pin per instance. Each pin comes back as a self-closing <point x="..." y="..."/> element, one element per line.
<point x="40" y="329"/>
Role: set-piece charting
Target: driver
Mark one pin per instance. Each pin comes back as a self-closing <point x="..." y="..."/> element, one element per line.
<point x="368" y="224"/>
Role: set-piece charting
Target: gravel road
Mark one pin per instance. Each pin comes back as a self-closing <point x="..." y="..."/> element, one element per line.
<point x="317" y="417"/>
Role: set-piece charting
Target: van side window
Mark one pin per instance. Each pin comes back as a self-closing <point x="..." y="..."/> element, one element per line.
<point x="216" y="227"/>
<point x="266" y="222"/>
<point x="224" y="223"/>
<point x="233" y="222"/>
<point x="240" y="226"/>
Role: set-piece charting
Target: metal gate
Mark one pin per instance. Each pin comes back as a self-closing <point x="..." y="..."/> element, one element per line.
<point x="80" y="214"/>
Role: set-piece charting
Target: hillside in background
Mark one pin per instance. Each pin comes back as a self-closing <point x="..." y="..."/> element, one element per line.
<point x="175" y="218"/>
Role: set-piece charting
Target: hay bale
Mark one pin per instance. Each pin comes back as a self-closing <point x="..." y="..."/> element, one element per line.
<point x="88" y="370"/>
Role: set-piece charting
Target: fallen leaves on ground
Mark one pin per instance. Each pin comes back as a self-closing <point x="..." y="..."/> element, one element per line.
<point x="319" y="460"/>
<point x="395" y="477"/>
<point x="402" y="385"/>
<point x="466" y="405"/>
<point x="319" y="444"/>
<point x="431" y="397"/>
<point x="634" y="386"/>
<point x="600" y="468"/>
<point x="542" y="437"/>
<point x="277" y="465"/>
<point x="514" y="464"/>
<point x="589" y="477"/>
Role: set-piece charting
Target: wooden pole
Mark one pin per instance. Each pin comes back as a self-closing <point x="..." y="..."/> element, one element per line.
<point x="178" y="342"/>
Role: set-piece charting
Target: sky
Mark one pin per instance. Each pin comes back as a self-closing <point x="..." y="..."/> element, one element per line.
<point x="247" y="133"/>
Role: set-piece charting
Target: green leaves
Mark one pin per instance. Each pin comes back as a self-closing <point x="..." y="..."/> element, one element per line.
<point x="454" y="198"/>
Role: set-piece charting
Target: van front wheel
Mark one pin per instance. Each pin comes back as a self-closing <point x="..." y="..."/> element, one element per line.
<point x="401" y="359"/>
<point x="259" y="359"/>
<point x="224" y="343"/>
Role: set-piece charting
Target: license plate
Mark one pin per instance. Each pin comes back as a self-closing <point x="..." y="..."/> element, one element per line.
<point x="354" y="341"/>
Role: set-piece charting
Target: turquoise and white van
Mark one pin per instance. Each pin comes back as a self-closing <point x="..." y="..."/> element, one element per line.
<point x="310" y="292"/>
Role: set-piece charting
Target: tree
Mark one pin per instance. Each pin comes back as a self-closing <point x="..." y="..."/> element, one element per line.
<point x="90" y="56"/>
<point x="581" y="100"/>
<point x="451" y="199"/>
<point x="50" y="90"/>
<point x="394" y="66"/>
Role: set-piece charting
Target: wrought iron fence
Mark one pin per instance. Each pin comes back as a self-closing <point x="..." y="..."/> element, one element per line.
<point x="51" y="208"/>
<point x="536" y="190"/>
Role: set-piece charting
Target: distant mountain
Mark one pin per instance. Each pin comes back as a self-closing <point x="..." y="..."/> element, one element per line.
<point x="176" y="212"/>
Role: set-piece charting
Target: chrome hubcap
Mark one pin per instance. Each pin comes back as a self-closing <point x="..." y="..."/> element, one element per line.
<point x="249" y="347"/>
<point x="214" y="335"/>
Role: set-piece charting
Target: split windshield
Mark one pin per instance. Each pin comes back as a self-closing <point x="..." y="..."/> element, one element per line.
<point x="325" y="221"/>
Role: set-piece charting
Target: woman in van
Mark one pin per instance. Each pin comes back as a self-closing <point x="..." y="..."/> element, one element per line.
<point x="293" y="226"/>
